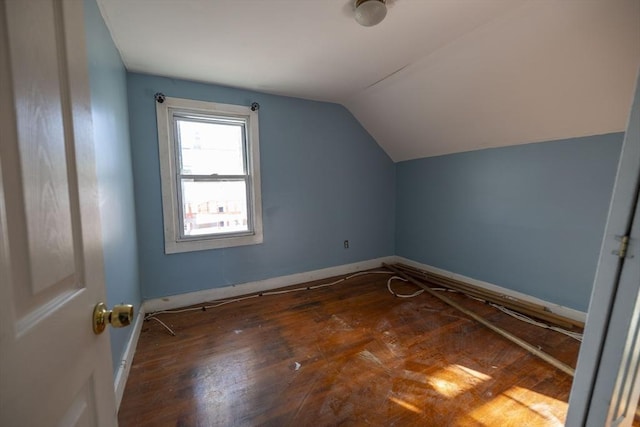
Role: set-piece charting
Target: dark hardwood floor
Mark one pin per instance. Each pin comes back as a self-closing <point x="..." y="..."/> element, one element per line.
<point x="351" y="354"/>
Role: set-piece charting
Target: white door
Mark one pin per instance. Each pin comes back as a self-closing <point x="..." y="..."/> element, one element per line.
<point x="615" y="397"/>
<point x="53" y="369"/>
<point x="607" y="383"/>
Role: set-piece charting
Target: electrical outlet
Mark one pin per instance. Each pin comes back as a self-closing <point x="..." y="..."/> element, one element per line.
<point x="346" y="244"/>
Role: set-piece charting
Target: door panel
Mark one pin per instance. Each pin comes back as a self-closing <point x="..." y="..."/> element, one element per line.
<point x="44" y="166"/>
<point x="53" y="369"/>
<point x="81" y="412"/>
<point x="51" y="275"/>
<point x="606" y="380"/>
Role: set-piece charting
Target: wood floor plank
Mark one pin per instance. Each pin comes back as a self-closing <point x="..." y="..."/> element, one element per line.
<point x="350" y="354"/>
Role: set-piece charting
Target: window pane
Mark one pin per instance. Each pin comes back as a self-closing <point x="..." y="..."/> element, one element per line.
<point x="211" y="148"/>
<point x="214" y="207"/>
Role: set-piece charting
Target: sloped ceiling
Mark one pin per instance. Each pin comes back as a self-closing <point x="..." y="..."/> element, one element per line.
<point x="434" y="77"/>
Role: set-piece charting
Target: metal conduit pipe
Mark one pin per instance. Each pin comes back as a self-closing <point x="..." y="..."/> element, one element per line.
<point x="508" y="335"/>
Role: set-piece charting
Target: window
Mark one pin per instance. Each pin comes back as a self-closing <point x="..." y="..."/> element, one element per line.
<point x="210" y="174"/>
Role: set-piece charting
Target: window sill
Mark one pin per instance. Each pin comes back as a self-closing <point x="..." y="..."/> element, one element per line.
<point x="173" y="247"/>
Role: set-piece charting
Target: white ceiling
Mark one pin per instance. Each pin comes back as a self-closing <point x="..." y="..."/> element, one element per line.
<point x="435" y="77"/>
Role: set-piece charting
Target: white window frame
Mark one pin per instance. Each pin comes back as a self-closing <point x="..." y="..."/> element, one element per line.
<point x="174" y="241"/>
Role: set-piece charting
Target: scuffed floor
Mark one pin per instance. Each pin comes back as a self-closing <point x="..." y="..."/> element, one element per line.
<point x="351" y="354"/>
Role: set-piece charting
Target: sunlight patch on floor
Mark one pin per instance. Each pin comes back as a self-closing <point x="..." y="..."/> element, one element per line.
<point x="405" y="405"/>
<point x="545" y="411"/>
<point x="454" y="379"/>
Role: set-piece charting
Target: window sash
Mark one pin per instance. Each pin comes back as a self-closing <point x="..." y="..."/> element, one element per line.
<point x="206" y="178"/>
<point x="177" y="116"/>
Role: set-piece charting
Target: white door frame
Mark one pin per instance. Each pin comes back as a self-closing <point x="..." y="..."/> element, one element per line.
<point x="605" y="389"/>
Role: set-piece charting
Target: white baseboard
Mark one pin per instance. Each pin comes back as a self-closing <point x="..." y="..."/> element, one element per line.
<point x="125" y="364"/>
<point x="182" y="300"/>
<point x="191" y="298"/>
<point x="554" y="308"/>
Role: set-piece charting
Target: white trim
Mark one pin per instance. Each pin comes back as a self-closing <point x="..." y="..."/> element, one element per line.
<point x="173" y="243"/>
<point x="191" y="298"/>
<point x="122" y="374"/>
<point x="554" y="308"/>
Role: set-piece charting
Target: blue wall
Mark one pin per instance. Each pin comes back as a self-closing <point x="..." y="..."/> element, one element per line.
<point x="324" y="180"/>
<point x="115" y="180"/>
<point x="528" y="217"/>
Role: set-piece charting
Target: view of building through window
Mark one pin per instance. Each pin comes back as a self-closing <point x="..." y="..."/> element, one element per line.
<point x="214" y="207"/>
<point x="213" y="177"/>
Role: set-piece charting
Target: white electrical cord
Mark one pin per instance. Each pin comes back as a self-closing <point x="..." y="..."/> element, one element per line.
<point x="519" y="316"/>
<point x="151" y="316"/>
<point x="395" y="294"/>
<point x="575" y="335"/>
<point x="162" y="323"/>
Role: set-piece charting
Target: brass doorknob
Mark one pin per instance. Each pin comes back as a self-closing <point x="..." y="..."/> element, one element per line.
<point x="119" y="317"/>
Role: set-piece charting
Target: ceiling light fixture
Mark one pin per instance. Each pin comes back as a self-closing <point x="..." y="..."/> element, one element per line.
<point x="370" y="12"/>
